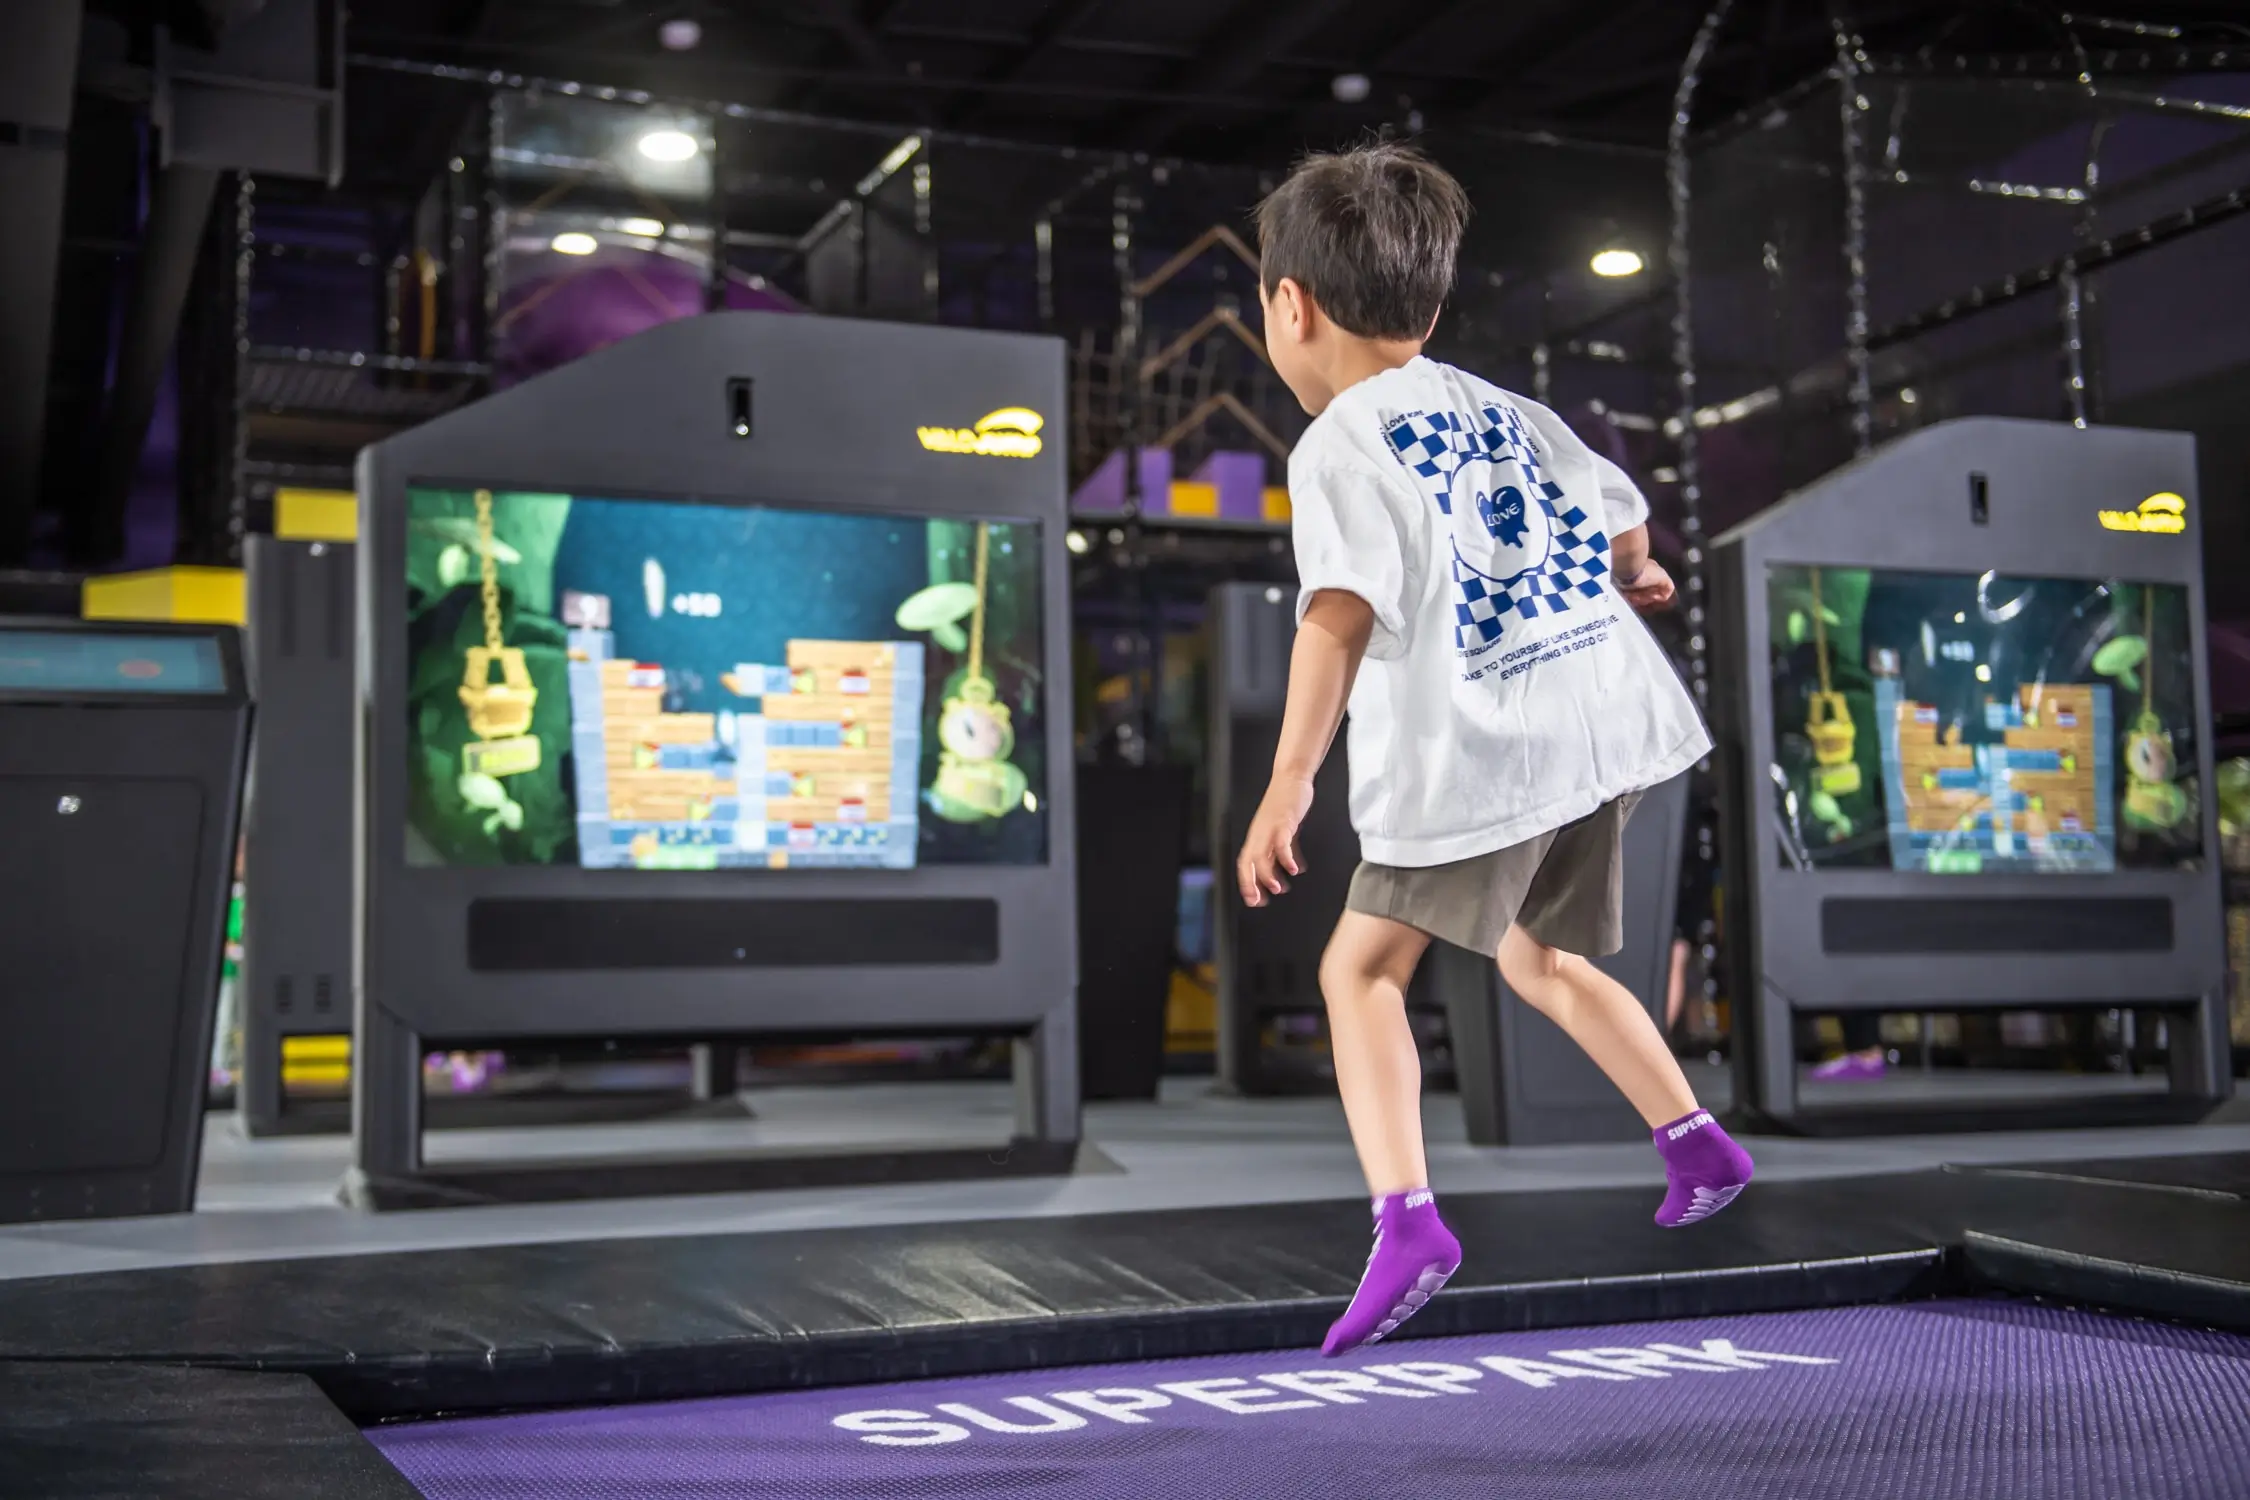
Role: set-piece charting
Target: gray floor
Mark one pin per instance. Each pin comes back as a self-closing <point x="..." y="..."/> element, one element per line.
<point x="275" y="1199"/>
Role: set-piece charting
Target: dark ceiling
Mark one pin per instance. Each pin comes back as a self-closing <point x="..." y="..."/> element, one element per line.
<point x="1249" y="81"/>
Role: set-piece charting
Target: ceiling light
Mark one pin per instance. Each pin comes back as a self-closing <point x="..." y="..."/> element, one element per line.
<point x="1907" y="397"/>
<point x="1076" y="542"/>
<point x="575" y="243"/>
<point x="1349" y="88"/>
<point x="669" y="146"/>
<point x="647" y="229"/>
<point x="1617" y="263"/>
<point x="680" y="36"/>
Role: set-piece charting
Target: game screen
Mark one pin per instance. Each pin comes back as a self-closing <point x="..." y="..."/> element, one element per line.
<point x="99" y="662"/>
<point x="631" y="684"/>
<point x="1961" y="724"/>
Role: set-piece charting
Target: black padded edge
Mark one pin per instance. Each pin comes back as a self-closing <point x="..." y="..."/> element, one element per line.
<point x="1835" y="1122"/>
<point x="2158" y="1292"/>
<point x="108" y="1432"/>
<point x="2223" y="1174"/>
<point x="668" y="1177"/>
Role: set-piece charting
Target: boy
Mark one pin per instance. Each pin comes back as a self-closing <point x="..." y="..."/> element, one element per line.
<point x="1461" y="558"/>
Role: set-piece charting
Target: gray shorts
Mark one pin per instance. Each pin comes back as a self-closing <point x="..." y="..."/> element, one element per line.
<point x="1565" y="887"/>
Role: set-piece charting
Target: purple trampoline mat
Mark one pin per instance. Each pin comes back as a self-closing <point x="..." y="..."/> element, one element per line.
<point x="1967" y="1399"/>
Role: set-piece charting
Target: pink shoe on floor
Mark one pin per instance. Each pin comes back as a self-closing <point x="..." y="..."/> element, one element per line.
<point x="1852" y="1067"/>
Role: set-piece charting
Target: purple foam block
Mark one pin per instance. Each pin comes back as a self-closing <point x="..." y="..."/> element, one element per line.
<point x="1103" y="492"/>
<point x="1155" y="474"/>
<point x="1241" y="482"/>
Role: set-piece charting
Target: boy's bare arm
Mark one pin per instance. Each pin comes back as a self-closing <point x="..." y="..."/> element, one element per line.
<point x="1323" y="663"/>
<point x="1640" y="578"/>
<point x="1628" y="554"/>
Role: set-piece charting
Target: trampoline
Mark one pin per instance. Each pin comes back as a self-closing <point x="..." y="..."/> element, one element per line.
<point x="1968" y="1398"/>
<point x="2052" y="1330"/>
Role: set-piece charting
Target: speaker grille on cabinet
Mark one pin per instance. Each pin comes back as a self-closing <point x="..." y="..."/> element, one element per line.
<point x="532" y="935"/>
<point x="1884" y="925"/>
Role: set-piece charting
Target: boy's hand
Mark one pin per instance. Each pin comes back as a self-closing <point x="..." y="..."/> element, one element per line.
<point x="1270" y="848"/>
<point x="1649" y="589"/>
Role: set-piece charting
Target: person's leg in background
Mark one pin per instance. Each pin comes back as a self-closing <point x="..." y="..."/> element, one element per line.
<point x="1363" y="978"/>
<point x="1675" y="985"/>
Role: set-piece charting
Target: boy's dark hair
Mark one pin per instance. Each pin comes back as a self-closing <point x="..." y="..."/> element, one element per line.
<point x="1372" y="233"/>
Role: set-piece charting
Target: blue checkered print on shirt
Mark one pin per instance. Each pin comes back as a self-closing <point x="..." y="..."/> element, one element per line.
<point x="1572" y="571"/>
<point x="1435" y="445"/>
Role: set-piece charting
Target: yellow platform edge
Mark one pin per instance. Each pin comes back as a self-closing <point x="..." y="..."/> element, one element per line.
<point x="178" y="595"/>
<point x="316" y="515"/>
<point x="1191" y="497"/>
<point x="315" y="1049"/>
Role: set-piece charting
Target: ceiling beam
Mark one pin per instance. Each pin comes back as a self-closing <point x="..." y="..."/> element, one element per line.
<point x="1233" y="55"/>
<point x="842" y="17"/>
<point x="1444" y="26"/>
<point x="443" y="127"/>
<point x="1793" y="52"/>
<point x="844" y="27"/>
<point x="1566" y="35"/>
<point x="1040" y="42"/>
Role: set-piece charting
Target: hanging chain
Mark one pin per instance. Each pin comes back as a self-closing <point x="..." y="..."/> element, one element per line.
<point x="2148" y="639"/>
<point x="1820" y="631"/>
<point x="976" y="621"/>
<point x="1853" y="105"/>
<point x="1694" y="579"/>
<point x="1676" y="172"/>
<point x="491" y="571"/>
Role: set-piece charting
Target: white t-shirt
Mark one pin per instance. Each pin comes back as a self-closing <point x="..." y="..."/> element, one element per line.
<point x="1508" y="688"/>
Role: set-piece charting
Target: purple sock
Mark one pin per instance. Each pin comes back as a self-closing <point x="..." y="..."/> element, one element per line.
<point x="1414" y="1254"/>
<point x="1706" y="1170"/>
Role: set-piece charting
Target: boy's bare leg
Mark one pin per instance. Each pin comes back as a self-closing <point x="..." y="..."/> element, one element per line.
<point x="1379" y="1072"/>
<point x="1601" y="1016"/>
<point x="1363" y="977"/>
<point x="1704" y="1170"/>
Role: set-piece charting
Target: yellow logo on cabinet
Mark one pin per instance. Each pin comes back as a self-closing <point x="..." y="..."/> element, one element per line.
<point x="1011" y="432"/>
<point x="2162" y="514"/>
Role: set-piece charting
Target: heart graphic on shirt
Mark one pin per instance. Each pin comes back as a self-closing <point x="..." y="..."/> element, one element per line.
<point x="1503" y="515"/>
<point x="1485" y="475"/>
<point x="1501" y="529"/>
<point x="1521" y="551"/>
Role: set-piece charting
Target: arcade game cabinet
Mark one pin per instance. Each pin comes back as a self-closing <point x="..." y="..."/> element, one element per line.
<point x="1964" y="751"/>
<point x="718" y="685"/>
<point x="121" y="755"/>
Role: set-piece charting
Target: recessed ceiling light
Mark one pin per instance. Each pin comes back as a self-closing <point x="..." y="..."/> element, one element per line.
<point x="1349" y="88"/>
<point x="647" y="229"/>
<point x="682" y="35"/>
<point x="669" y="146"/>
<point x="1617" y="263"/>
<point x="575" y="243"/>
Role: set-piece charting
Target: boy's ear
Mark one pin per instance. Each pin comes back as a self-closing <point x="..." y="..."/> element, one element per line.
<point x="1290" y="305"/>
